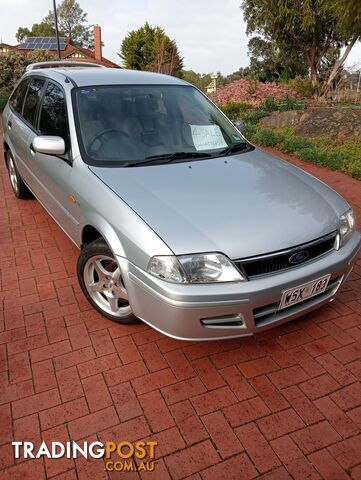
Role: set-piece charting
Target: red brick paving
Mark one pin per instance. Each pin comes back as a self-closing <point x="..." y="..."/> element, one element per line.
<point x="286" y="404"/>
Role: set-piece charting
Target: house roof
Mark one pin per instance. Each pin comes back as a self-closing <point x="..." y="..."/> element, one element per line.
<point x="6" y="45"/>
<point x="67" y="50"/>
<point x="71" y="50"/>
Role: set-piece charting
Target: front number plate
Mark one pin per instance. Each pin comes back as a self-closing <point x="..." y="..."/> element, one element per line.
<point x="302" y="292"/>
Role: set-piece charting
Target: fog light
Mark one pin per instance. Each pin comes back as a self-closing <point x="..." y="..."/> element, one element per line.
<point x="225" y="321"/>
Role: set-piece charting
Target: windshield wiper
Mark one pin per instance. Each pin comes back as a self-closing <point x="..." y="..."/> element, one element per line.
<point x="234" y="148"/>
<point x="167" y="157"/>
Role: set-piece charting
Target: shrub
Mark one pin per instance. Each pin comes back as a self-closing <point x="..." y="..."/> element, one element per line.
<point x="336" y="160"/>
<point x="310" y="154"/>
<point x="266" y="137"/>
<point x="252" y="92"/>
<point x="252" y="87"/>
<point x="233" y="109"/>
<point x="355" y="169"/>
<point x="290" y="103"/>
<point x="253" y="116"/>
<point x="325" y="142"/>
<point x="13" y="64"/>
<point x="249" y="130"/>
<point x="3" y="101"/>
<point x="270" y="104"/>
<point x="343" y="157"/>
<point x="303" y="86"/>
<point x="294" y="144"/>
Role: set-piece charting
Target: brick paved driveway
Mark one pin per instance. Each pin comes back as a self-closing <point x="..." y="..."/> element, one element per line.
<point x="286" y="404"/>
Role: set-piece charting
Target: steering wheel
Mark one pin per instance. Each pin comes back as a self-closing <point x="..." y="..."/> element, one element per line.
<point x="100" y="135"/>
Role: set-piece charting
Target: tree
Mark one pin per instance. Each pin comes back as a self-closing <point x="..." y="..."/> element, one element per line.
<point x="42" y="30"/>
<point x="149" y="48"/>
<point x="242" y="72"/>
<point x="270" y="62"/>
<point x="12" y="67"/>
<point x="72" y="22"/>
<point x="37" y="30"/>
<point x="202" y="80"/>
<point x="22" y="33"/>
<point x="313" y="27"/>
<point x="199" y="80"/>
<point x="349" y="18"/>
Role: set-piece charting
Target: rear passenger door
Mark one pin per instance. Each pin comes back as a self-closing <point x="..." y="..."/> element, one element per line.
<point x="54" y="173"/>
<point x="28" y="121"/>
<point x="17" y="132"/>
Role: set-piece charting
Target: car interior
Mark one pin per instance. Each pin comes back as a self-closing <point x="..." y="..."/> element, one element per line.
<point x="135" y="125"/>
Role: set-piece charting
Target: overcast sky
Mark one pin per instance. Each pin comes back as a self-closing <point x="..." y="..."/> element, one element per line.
<point x="210" y="33"/>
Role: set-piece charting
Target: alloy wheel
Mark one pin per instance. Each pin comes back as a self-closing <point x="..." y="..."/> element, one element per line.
<point x="13" y="175"/>
<point x="104" y="283"/>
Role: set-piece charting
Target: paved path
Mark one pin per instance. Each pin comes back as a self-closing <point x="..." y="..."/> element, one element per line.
<point x="286" y="404"/>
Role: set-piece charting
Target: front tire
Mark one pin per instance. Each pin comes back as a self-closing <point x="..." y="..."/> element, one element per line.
<point x="19" y="188"/>
<point x="100" y="279"/>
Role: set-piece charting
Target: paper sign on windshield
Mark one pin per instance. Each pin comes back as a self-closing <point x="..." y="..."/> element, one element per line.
<point x="207" y="137"/>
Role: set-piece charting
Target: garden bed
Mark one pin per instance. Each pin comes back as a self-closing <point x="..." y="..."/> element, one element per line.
<point x="340" y="154"/>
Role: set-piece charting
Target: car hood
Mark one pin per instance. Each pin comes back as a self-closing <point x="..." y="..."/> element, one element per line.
<point x="241" y="205"/>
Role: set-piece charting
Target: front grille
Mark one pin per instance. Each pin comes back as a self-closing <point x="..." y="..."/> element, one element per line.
<point x="270" y="313"/>
<point x="274" y="262"/>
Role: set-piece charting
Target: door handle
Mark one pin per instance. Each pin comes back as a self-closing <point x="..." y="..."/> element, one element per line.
<point x="10" y="124"/>
<point x="32" y="151"/>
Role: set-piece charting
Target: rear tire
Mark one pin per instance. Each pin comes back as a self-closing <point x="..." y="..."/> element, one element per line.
<point x="19" y="188"/>
<point x="100" y="279"/>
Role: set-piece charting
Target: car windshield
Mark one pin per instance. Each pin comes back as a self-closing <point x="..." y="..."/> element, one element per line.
<point x="127" y="125"/>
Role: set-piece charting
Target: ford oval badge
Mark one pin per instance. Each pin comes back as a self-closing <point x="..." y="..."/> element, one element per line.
<point x="299" y="257"/>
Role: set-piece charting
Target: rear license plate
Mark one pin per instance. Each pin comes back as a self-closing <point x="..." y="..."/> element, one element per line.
<point x="302" y="292"/>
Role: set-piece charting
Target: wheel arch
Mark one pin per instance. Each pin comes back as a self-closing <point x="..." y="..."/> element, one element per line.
<point x="97" y="227"/>
<point x="89" y="234"/>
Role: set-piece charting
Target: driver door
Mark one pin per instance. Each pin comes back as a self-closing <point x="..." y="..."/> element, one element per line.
<point x="54" y="173"/>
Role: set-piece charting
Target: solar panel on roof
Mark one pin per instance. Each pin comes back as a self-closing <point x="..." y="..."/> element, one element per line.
<point x="42" y="43"/>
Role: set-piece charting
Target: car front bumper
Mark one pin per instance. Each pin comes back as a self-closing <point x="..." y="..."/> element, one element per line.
<point x="229" y="310"/>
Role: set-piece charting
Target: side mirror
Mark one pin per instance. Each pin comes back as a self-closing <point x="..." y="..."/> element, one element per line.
<point x="49" y="145"/>
<point x="239" y="125"/>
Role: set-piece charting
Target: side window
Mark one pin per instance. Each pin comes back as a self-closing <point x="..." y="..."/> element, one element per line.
<point x="53" y="113"/>
<point x="17" y="98"/>
<point x="32" y="100"/>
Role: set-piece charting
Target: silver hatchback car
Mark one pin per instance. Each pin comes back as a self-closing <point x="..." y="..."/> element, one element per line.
<point x="180" y="221"/>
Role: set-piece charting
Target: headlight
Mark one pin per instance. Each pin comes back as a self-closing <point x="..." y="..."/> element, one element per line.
<point x="209" y="268"/>
<point x="197" y="268"/>
<point x="348" y="222"/>
<point x="167" y="268"/>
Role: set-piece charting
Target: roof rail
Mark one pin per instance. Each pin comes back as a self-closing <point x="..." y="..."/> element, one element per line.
<point x="59" y="64"/>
